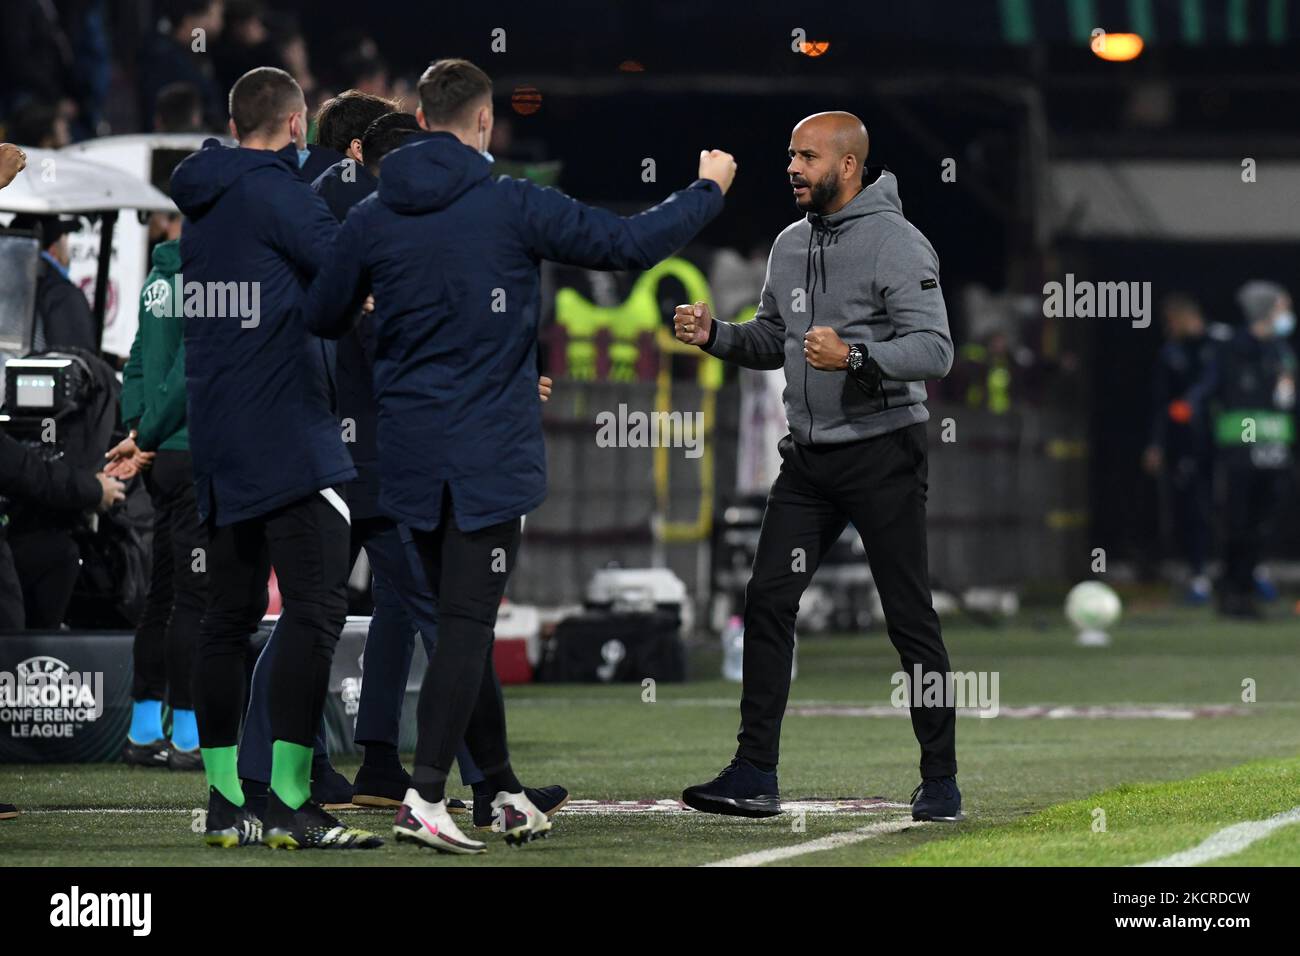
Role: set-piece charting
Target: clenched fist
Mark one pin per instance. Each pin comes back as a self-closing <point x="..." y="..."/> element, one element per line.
<point x="824" y="350"/>
<point x="544" y="388"/>
<point x="691" y="323"/>
<point x="13" y="160"/>
<point x="718" y="166"/>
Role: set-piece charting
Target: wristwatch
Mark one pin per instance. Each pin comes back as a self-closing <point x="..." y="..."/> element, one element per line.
<point x="856" y="358"/>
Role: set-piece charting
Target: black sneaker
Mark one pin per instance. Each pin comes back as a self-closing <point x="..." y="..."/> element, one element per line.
<point x="380" y="786"/>
<point x="310" y="828"/>
<point x="938" y="799"/>
<point x="740" y="790"/>
<point x="228" y="825"/>
<point x="8" y="811"/>
<point x="329" y="788"/>
<point x="184" y="759"/>
<point x="550" y="800"/>
<point x="152" y="754"/>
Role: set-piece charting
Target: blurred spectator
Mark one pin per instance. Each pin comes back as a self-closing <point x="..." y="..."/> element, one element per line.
<point x="36" y="59"/>
<point x="181" y="52"/>
<point x="179" y="109"/>
<point x="290" y="47"/>
<point x="246" y="42"/>
<point x="42" y="125"/>
<point x="989" y="374"/>
<point x="1252" y="383"/>
<point x="87" y="27"/>
<point x="366" y="73"/>
<point x="63" y="317"/>
<point x="1180" y="450"/>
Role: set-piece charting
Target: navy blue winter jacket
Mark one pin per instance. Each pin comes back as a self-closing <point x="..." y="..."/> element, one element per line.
<point x="262" y="429"/>
<point x="342" y="186"/>
<point x="453" y="258"/>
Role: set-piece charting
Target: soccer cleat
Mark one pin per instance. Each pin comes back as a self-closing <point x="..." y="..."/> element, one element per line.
<point x="518" y="818"/>
<point x="740" y="790"/>
<point x="228" y="825"/>
<point x="329" y="788"/>
<point x="310" y="828"/>
<point x="8" y="811"/>
<point x="550" y="800"/>
<point x="152" y="754"/>
<point x="184" y="759"/>
<point x="429" y="824"/>
<point x="937" y="799"/>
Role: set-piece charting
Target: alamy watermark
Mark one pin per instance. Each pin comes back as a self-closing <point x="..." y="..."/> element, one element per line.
<point x="1100" y="300"/>
<point x="635" y="429"/>
<point x="176" y="298"/>
<point x="965" y="690"/>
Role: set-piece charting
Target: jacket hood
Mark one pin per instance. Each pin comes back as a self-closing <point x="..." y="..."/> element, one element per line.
<point x="203" y="177"/>
<point x="166" y="257"/>
<point x="430" y="173"/>
<point x="879" y="195"/>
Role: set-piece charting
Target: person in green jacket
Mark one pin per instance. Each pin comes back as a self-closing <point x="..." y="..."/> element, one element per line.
<point x="157" y="447"/>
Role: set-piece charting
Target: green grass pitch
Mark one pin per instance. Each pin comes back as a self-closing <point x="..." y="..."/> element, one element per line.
<point x="1032" y="785"/>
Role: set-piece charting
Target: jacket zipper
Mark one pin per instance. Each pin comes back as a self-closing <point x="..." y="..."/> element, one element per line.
<point x="812" y="317"/>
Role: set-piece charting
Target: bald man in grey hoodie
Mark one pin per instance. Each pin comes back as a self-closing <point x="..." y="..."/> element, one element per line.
<point x="852" y="309"/>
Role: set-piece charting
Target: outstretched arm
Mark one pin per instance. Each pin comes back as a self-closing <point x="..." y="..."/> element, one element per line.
<point x="564" y="230"/>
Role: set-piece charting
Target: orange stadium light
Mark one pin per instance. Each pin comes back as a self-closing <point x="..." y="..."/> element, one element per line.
<point x="1117" y="47"/>
<point x="814" y="47"/>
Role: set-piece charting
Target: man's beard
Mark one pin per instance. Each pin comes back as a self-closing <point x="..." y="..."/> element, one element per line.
<point x="821" y="194"/>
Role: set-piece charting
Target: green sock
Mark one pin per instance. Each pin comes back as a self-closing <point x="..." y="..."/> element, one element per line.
<point x="221" y="764"/>
<point x="291" y="773"/>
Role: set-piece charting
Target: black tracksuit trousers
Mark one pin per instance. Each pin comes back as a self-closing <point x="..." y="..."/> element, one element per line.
<point x="307" y="543"/>
<point x="879" y="484"/>
<point x="461" y="696"/>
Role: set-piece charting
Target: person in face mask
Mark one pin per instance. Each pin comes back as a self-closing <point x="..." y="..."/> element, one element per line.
<point x="1252" y="385"/>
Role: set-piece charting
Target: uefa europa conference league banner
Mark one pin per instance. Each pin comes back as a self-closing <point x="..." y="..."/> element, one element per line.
<point x="64" y="698"/>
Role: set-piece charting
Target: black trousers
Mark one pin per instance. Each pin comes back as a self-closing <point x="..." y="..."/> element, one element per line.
<point x="1250" y="499"/>
<point x="47" y="562"/>
<point x="880" y="485"/>
<point x="168" y="630"/>
<point x="1191" y="487"/>
<point x="13" y="616"/>
<point x="461" y="696"/>
<point x="307" y="543"/>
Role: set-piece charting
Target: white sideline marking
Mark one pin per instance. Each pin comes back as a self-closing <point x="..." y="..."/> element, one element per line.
<point x="1229" y="840"/>
<point x="835" y="840"/>
<point x="26" y="812"/>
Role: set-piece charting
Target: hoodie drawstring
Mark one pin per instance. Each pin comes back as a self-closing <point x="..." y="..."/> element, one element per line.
<point x="820" y="230"/>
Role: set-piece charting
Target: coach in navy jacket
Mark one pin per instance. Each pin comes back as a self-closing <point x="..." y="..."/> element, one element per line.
<point x="281" y="441"/>
<point x="452" y="255"/>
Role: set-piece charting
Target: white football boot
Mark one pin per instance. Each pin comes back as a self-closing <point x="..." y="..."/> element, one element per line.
<point x="429" y="824"/>
<point x="514" y="815"/>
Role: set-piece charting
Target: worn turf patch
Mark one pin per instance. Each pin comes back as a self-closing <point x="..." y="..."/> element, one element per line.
<point x="1135" y="824"/>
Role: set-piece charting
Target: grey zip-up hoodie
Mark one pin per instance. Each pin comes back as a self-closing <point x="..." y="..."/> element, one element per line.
<point x="870" y="275"/>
